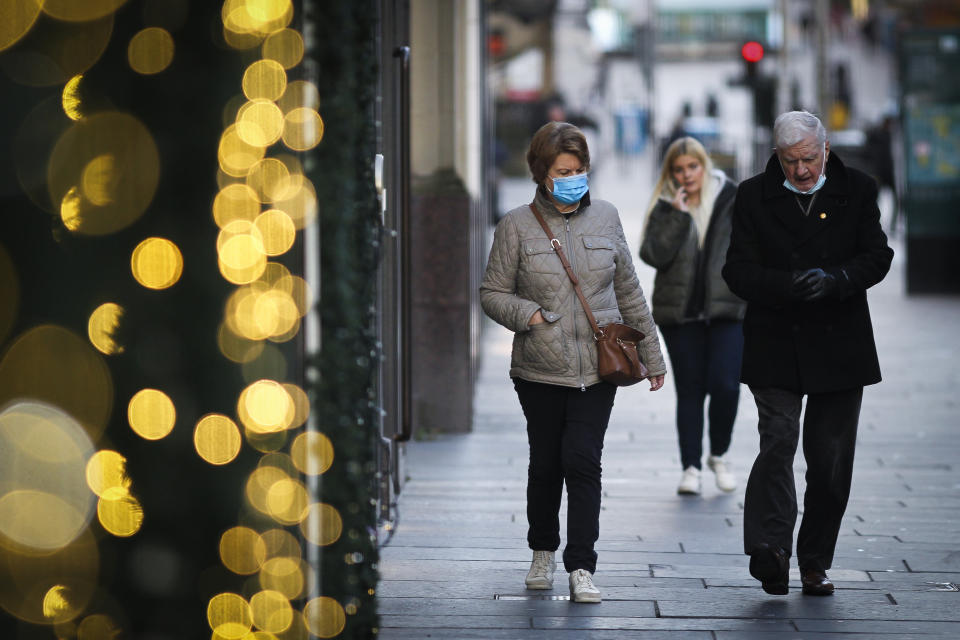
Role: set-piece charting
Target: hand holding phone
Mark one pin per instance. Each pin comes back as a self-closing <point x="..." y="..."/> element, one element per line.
<point x="680" y="200"/>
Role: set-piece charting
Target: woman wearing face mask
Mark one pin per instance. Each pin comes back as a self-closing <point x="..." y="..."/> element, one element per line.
<point x="685" y="237"/>
<point x="553" y="364"/>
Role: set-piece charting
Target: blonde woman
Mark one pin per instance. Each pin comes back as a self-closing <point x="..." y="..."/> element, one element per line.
<point x="685" y="237"/>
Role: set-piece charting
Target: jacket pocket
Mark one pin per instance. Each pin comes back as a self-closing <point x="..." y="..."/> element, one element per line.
<point x="544" y="349"/>
<point x="600" y="252"/>
<point x="538" y="256"/>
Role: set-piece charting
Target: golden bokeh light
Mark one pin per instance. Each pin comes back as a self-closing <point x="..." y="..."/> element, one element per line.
<point x="259" y="484"/>
<point x="60" y="582"/>
<point x="73" y="11"/>
<point x="156" y="263"/>
<point x="242" y="550"/>
<point x="217" y="439"/>
<point x="271" y="611"/>
<point x="302" y="129"/>
<point x="17" y="18"/>
<point x="237" y="348"/>
<point x="102" y="328"/>
<point x="241" y="259"/>
<point x="151" y="414"/>
<point x="312" y="452"/>
<point x="229" y="616"/>
<point x="70" y="98"/>
<point x="72" y="209"/>
<point x="281" y="543"/>
<point x="299" y="290"/>
<point x="150" y="51"/>
<point x="266" y="442"/>
<point x="285" y="575"/>
<point x="57" y="604"/>
<point x="299" y="93"/>
<point x="270" y="180"/>
<point x="239" y="314"/>
<point x="236" y="156"/>
<point x="9" y="293"/>
<point x="287" y="501"/>
<point x="264" y="80"/>
<point x="284" y="46"/>
<point x="277" y="230"/>
<point x="274" y="273"/>
<point x="322" y="525"/>
<point x="112" y="158"/>
<point x="99" y="180"/>
<point x="238" y="228"/>
<point x="297" y="630"/>
<point x="55" y="366"/>
<point x="270" y="364"/>
<point x="106" y="470"/>
<point x="119" y="512"/>
<point x="98" y="627"/>
<point x="52" y="51"/>
<point x="235" y="202"/>
<point x="275" y="312"/>
<point x="324" y="617"/>
<point x="39" y="520"/>
<point x="301" y="404"/>
<point x="265" y="406"/>
<point x="260" y="123"/>
<point x="299" y="201"/>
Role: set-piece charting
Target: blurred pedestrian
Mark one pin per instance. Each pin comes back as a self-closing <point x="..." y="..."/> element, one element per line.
<point x="806" y="245"/>
<point x="685" y="237"/>
<point x="553" y="366"/>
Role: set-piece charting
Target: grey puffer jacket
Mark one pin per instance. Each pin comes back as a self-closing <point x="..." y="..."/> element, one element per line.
<point x="524" y="275"/>
<point x="688" y="285"/>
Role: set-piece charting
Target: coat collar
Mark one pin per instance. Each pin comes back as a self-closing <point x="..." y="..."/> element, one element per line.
<point x="837" y="179"/>
<point x="830" y="200"/>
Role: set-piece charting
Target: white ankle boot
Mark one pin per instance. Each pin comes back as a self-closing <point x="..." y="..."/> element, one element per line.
<point x="582" y="588"/>
<point x="725" y="478"/>
<point x="541" y="571"/>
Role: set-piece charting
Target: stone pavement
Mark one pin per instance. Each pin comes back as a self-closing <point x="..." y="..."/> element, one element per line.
<point x="672" y="567"/>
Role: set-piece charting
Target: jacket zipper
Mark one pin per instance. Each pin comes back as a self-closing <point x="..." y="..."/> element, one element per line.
<point x="574" y="303"/>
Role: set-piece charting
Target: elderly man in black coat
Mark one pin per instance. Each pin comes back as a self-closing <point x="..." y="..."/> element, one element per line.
<point x="805" y="247"/>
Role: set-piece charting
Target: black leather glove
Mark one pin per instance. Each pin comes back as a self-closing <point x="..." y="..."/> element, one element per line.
<point x="813" y="284"/>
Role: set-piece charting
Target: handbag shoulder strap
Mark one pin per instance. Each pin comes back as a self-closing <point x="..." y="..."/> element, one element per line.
<point x="558" y="249"/>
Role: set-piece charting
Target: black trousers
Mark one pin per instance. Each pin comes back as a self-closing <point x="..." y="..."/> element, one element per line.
<point x="829" y="438"/>
<point x="565" y="429"/>
<point x="706" y="361"/>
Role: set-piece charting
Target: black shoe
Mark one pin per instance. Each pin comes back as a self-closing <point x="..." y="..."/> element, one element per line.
<point x="815" y="582"/>
<point x="771" y="566"/>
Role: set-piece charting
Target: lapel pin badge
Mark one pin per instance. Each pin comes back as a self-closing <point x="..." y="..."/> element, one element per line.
<point x="823" y="216"/>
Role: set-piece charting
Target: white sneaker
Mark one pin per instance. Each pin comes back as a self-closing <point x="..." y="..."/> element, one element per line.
<point x="582" y="588"/>
<point x="541" y="571"/>
<point x="725" y="480"/>
<point x="689" y="482"/>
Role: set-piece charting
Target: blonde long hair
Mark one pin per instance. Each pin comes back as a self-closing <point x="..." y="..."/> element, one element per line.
<point x="665" y="189"/>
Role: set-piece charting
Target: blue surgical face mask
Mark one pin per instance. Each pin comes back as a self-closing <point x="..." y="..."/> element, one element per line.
<point x="814" y="188"/>
<point x="570" y="189"/>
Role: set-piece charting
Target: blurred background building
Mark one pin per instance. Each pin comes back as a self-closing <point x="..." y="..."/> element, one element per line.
<point x="241" y="242"/>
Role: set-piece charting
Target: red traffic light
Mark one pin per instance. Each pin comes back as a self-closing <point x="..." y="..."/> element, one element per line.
<point x="752" y="51"/>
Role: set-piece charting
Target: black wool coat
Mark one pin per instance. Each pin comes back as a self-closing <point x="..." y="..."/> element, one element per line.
<point x="807" y="347"/>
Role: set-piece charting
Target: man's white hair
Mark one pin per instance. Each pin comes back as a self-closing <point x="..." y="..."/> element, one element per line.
<point x="793" y="127"/>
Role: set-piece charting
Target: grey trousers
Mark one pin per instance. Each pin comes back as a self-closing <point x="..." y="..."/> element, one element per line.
<point x="829" y="439"/>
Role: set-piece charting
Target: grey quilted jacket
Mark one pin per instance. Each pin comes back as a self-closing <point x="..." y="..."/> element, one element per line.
<point x="524" y="275"/>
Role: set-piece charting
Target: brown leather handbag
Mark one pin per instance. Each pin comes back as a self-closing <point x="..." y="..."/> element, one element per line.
<point x="618" y="361"/>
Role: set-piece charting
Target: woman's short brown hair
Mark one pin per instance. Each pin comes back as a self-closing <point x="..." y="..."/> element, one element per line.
<point x="550" y="141"/>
